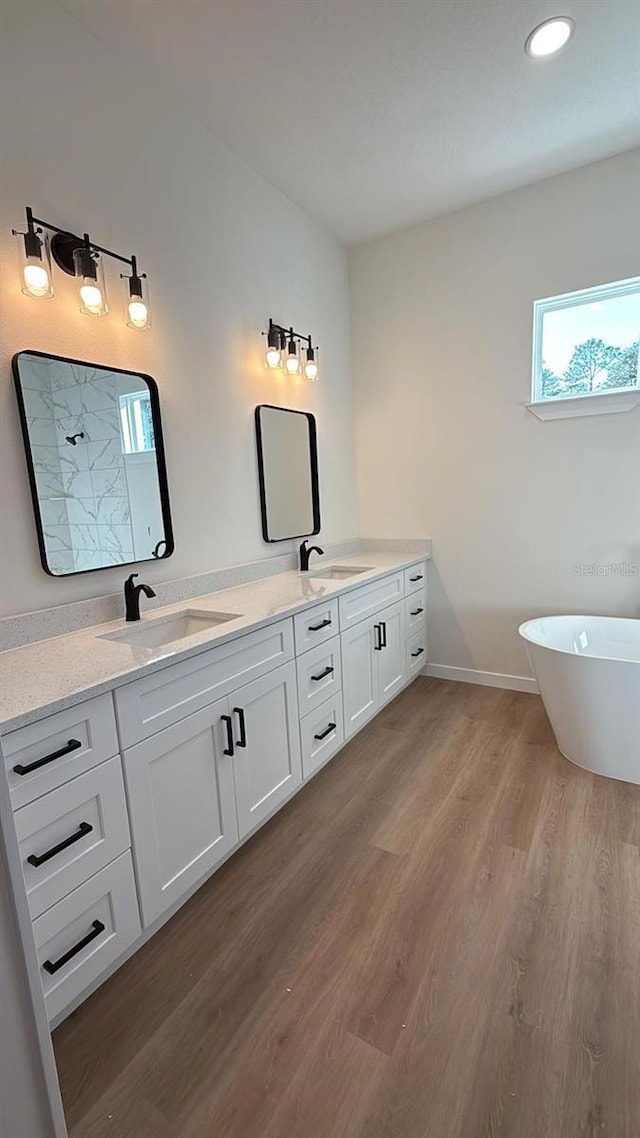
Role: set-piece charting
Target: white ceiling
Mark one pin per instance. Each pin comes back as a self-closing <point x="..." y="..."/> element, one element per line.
<point x="374" y="114"/>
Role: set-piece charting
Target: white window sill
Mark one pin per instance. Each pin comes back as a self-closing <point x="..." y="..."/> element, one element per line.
<point x="606" y="403"/>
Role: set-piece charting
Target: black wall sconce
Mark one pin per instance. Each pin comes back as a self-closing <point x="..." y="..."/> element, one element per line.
<point x="79" y="257"/>
<point x="282" y="352"/>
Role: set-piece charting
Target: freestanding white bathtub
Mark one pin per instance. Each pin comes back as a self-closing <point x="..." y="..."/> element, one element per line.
<point x="588" y="672"/>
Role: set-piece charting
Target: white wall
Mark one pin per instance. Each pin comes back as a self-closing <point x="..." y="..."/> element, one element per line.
<point x="89" y="145"/>
<point x="441" y="317"/>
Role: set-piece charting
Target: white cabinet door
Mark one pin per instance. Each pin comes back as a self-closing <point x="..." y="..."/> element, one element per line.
<point x="314" y="626"/>
<point x="416" y="651"/>
<point x="319" y="675"/>
<point x="69" y="834"/>
<point x="182" y="806"/>
<point x="321" y="735"/>
<point x="392" y="660"/>
<point x="359" y="675"/>
<point x="80" y="937"/>
<point x="415" y="577"/>
<point x="44" y="755"/>
<point x="267" y="745"/>
<point x="415" y="611"/>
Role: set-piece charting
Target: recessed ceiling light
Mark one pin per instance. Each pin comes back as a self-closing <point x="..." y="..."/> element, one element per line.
<point x="549" y="37"/>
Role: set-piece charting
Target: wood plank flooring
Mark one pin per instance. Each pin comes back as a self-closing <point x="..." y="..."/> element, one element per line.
<point x="439" y="937"/>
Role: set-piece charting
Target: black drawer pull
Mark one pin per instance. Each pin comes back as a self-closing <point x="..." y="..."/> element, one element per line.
<point x="383" y="634"/>
<point x="72" y="745"/>
<point x="321" y="675"/>
<point x="323" y="624"/>
<point x="323" y="734"/>
<point x="242" y="741"/>
<point x="53" y="966"/>
<point x="228" y="722"/>
<point x="418" y="653"/>
<point x="418" y="578"/>
<point x="39" y="859"/>
<point x="377" y="628"/>
<point x="416" y="612"/>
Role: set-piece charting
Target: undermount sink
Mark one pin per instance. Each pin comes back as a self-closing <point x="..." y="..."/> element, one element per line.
<point x="340" y="572"/>
<point x="151" y="633"/>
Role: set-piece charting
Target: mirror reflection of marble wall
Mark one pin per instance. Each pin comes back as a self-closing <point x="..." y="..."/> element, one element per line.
<point x="93" y="451"/>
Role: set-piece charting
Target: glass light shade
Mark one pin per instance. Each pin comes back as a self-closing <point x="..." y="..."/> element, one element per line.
<point x="91" y="298"/>
<point x="138" y="313"/>
<point x="35" y="266"/>
<point x="138" y="309"/>
<point x="272" y="357"/>
<point x="90" y="274"/>
<point x="37" y="280"/>
<point x="292" y="362"/>
<point x="311" y="371"/>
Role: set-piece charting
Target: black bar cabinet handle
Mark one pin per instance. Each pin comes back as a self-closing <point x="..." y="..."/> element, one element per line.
<point x="323" y="624"/>
<point x="242" y="741"/>
<point x="377" y="638"/>
<point x="383" y="630"/>
<point x="323" y="734"/>
<point x="72" y="745"/>
<point x="418" y="653"/>
<point x="418" y="578"/>
<point x="416" y="612"/>
<point x="321" y="675"/>
<point x="39" y="859"/>
<point x="53" y="966"/>
<point x="228" y="722"/>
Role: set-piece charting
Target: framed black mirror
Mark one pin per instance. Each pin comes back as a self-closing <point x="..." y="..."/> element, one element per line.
<point x="288" y="472"/>
<point x="95" y="457"/>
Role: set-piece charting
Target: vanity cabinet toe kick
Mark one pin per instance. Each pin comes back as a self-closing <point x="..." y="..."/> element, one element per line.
<point x="124" y="804"/>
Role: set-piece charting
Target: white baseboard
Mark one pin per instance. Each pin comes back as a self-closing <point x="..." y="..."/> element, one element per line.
<point x="488" y="679"/>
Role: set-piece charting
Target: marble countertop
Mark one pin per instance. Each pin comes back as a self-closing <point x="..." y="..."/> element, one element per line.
<point x="49" y="675"/>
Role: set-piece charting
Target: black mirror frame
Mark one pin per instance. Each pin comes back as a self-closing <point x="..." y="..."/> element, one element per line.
<point x="313" y="459"/>
<point x="163" y="484"/>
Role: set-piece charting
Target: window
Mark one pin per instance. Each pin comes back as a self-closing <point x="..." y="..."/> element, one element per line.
<point x="587" y="343"/>
<point x="137" y="423"/>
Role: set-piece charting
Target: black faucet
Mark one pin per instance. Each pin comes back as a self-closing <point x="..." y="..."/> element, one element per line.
<point x="305" y="553"/>
<point x="132" y="596"/>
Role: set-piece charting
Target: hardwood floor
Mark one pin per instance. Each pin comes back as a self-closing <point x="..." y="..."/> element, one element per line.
<point x="439" y="937"/>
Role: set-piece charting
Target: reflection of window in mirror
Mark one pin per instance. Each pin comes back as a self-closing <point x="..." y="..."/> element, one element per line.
<point x="137" y="423"/>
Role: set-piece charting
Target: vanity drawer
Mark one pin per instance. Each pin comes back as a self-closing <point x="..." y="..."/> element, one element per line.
<point x="71" y="833"/>
<point x="155" y="702"/>
<point x="319" y="675"/>
<point x="87" y="931"/>
<point x="321" y="735"/>
<point x="416" y="652"/>
<point x="53" y="750"/>
<point x="313" y="626"/>
<point x="415" y="577"/>
<point x="416" y="610"/>
<point x="363" y="602"/>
